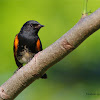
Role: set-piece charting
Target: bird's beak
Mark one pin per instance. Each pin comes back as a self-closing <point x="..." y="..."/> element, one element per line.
<point x="39" y="26"/>
<point x="42" y="25"/>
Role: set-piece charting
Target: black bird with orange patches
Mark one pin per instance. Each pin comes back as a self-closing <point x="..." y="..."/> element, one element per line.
<point x="27" y="43"/>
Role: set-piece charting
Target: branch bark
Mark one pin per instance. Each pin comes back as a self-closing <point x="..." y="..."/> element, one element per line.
<point x="42" y="61"/>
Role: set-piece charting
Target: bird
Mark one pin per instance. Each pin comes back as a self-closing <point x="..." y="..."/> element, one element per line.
<point x="27" y="43"/>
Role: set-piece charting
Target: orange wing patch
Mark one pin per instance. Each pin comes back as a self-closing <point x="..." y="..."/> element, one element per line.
<point x="16" y="41"/>
<point x="38" y="45"/>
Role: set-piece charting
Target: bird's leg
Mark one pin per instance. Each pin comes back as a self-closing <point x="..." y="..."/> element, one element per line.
<point x="17" y="69"/>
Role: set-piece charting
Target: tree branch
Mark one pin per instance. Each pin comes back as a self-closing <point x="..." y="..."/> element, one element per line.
<point x="42" y="61"/>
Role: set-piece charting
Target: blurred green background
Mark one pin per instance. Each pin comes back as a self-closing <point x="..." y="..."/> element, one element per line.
<point x="74" y="76"/>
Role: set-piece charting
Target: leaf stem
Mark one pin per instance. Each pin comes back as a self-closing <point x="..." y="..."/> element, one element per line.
<point x="85" y="7"/>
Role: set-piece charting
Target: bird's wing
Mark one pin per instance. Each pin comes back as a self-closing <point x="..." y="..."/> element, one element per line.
<point x="15" y="48"/>
<point x="16" y="42"/>
<point x="38" y="45"/>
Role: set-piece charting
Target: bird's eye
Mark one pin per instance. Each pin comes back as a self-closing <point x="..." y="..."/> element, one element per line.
<point x="35" y="24"/>
<point x="31" y="25"/>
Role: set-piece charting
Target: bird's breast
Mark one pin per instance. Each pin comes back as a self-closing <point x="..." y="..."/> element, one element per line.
<point x="25" y="56"/>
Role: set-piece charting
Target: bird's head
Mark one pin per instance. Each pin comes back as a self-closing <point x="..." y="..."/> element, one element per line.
<point x="31" y="26"/>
